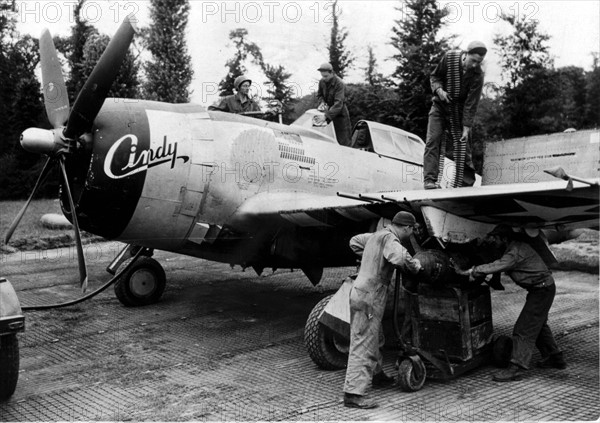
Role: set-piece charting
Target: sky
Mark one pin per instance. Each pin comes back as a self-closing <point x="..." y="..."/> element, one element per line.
<point x="295" y="34"/>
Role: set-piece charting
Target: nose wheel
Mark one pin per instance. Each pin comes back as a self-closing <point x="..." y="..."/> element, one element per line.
<point x="142" y="284"/>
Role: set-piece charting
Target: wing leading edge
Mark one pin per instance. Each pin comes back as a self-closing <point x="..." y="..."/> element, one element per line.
<point x="548" y="205"/>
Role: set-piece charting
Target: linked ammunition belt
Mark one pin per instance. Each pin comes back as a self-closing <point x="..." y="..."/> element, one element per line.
<point x="455" y="111"/>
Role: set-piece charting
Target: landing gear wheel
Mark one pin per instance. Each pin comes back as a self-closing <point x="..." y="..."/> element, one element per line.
<point x="502" y="350"/>
<point x="9" y="365"/>
<point x="142" y="284"/>
<point x="411" y="374"/>
<point x="326" y="348"/>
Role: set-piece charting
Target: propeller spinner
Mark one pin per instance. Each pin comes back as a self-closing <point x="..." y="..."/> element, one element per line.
<point x="58" y="142"/>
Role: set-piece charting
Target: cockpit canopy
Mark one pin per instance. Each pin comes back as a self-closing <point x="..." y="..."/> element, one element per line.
<point x="388" y="141"/>
<point x="375" y="137"/>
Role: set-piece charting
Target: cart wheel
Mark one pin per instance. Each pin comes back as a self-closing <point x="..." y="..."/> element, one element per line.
<point x="411" y="374"/>
<point x="502" y="350"/>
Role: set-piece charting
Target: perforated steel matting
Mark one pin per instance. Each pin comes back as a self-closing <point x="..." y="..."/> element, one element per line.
<point x="227" y="345"/>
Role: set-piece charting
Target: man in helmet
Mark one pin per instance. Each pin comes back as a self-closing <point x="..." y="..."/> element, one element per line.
<point x="381" y="252"/>
<point x="527" y="269"/>
<point x="331" y="97"/>
<point x="239" y="102"/>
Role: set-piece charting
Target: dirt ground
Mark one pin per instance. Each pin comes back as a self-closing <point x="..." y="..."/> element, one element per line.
<point x="223" y="344"/>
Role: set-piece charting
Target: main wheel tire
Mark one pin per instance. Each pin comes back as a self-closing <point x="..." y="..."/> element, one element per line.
<point x="142" y="284"/>
<point x="9" y="365"/>
<point x="326" y="348"/>
<point x="502" y="350"/>
<point x="407" y="374"/>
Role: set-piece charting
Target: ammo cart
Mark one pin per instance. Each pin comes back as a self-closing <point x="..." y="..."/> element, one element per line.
<point x="451" y="333"/>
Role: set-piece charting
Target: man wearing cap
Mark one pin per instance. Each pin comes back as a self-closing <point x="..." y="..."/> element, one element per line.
<point x="239" y="102"/>
<point x="331" y="96"/>
<point x="381" y="253"/>
<point x="527" y="269"/>
<point x="456" y="83"/>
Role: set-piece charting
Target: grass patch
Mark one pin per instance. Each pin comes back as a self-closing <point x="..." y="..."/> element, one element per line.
<point x="30" y="234"/>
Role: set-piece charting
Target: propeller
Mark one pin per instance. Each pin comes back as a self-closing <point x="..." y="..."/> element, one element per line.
<point x="61" y="141"/>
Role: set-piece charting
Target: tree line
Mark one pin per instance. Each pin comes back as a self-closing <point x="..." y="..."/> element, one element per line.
<point x="535" y="97"/>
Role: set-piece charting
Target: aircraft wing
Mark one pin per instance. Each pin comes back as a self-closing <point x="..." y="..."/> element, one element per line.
<point x="550" y="205"/>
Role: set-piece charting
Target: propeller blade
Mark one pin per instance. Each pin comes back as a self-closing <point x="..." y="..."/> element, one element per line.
<point x="40" y="179"/>
<point x="91" y="97"/>
<point x="56" y="99"/>
<point x="83" y="277"/>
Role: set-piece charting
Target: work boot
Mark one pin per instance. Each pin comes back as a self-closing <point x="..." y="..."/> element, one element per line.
<point x="513" y="372"/>
<point x="381" y="380"/>
<point x="553" y="361"/>
<point x="431" y="185"/>
<point x="359" y="401"/>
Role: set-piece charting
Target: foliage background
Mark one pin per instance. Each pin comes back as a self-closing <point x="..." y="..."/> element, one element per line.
<point x="534" y="98"/>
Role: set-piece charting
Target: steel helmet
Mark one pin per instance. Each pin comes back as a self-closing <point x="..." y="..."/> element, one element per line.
<point x="240" y="80"/>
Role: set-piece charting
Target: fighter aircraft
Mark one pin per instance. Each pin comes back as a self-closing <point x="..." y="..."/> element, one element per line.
<point x="244" y="191"/>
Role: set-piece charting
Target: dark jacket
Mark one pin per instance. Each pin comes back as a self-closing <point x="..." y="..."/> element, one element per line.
<point x="333" y="93"/>
<point x="522" y="263"/>
<point x="470" y="90"/>
<point x="234" y="104"/>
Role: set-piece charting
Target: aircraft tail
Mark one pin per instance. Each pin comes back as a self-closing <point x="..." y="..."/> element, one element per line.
<point x="523" y="160"/>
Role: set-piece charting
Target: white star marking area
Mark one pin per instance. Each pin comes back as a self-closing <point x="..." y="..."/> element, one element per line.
<point x="552" y="214"/>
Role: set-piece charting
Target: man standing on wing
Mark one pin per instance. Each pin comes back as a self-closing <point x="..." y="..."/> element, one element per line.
<point x="456" y="83"/>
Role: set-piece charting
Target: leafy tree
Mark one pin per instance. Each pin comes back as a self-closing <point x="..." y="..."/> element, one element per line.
<point x="419" y="50"/>
<point x="371" y="102"/>
<point x="7" y="26"/>
<point x="73" y="48"/>
<point x="278" y="88"/>
<point x="236" y="65"/>
<point x="592" y="102"/>
<point x="570" y="100"/>
<point x="169" y="71"/>
<point x="20" y="107"/>
<point x="523" y="51"/>
<point x="371" y="75"/>
<point x="7" y="14"/>
<point x="127" y="83"/>
<point x="340" y="58"/>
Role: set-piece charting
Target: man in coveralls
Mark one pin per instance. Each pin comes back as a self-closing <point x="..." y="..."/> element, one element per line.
<point x="527" y="269"/>
<point x="332" y="98"/>
<point x="382" y="253"/>
<point x="456" y="83"/>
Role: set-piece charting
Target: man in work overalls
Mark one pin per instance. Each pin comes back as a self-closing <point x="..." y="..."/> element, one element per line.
<point x="382" y="253"/>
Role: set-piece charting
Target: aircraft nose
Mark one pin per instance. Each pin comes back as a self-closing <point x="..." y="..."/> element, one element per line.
<point x="40" y="141"/>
